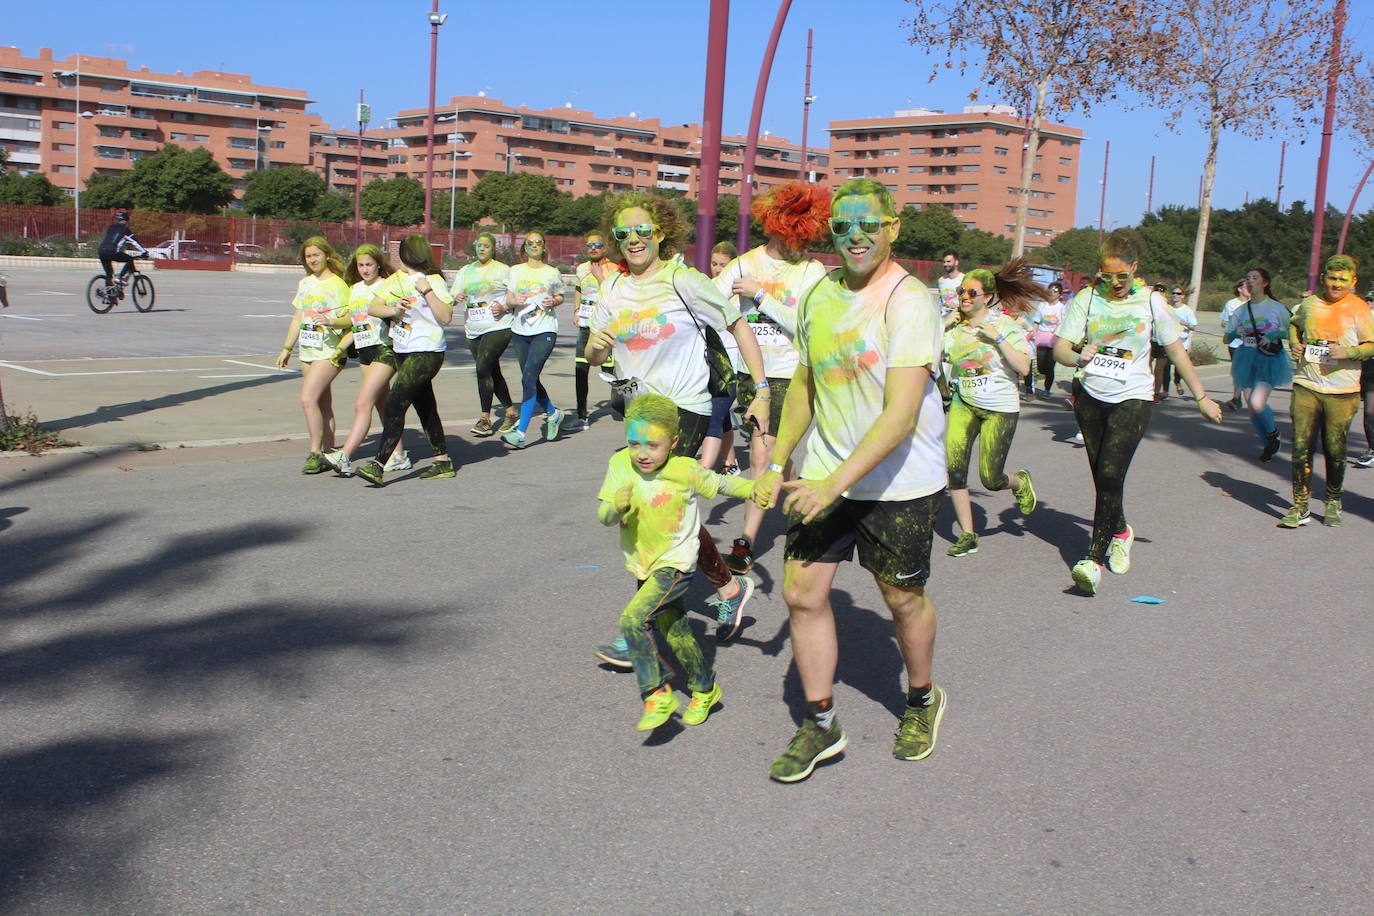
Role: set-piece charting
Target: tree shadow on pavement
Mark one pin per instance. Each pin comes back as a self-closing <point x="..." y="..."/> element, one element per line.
<point x="65" y="828"/>
<point x="8" y="513"/>
<point x="110" y="413"/>
<point x="1262" y="499"/>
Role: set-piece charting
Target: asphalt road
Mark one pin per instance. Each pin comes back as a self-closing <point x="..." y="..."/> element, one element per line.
<point x="231" y="688"/>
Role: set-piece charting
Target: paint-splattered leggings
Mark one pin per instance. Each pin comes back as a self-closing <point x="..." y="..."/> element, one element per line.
<point x="413" y="384"/>
<point x="486" y="350"/>
<point x="1330" y="416"/>
<point x="966" y="423"/>
<point x="1111" y="433"/>
<point x="657" y="605"/>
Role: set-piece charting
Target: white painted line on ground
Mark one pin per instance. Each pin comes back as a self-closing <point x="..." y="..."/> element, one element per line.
<point x="239" y="362"/>
<point x="27" y="369"/>
<point x="239" y="375"/>
<point x="54" y="292"/>
<point x="22" y="317"/>
<point x="264" y="316"/>
<point x="106" y="372"/>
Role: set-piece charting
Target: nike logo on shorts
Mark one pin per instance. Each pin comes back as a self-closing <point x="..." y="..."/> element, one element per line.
<point x="910" y="575"/>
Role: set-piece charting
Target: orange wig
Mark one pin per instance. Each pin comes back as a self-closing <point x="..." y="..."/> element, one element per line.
<point x="795" y="212"/>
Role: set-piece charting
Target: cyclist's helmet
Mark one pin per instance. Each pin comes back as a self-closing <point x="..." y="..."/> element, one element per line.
<point x="121" y="216"/>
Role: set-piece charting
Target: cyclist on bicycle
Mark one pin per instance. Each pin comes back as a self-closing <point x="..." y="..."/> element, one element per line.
<point x="119" y="237"/>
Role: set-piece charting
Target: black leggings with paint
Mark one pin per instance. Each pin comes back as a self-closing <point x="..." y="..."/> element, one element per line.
<point x="486" y="350"/>
<point x="1111" y="433"/>
<point x="1044" y="365"/>
<point x="413" y="384"/>
<point x="1329" y="416"/>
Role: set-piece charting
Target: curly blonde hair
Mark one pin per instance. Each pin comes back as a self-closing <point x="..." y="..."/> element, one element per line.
<point x="665" y="214"/>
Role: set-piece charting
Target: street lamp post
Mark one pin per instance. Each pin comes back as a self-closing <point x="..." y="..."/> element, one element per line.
<point x="364" y="115"/>
<point x="751" y="147"/>
<point x="261" y="143"/>
<point x="76" y="185"/>
<point x="436" y="19"/>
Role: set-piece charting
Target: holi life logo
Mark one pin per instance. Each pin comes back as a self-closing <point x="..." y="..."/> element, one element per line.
<point x="641" y="330"/>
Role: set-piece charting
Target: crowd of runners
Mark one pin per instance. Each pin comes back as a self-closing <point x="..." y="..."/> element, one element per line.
<point x="880" y="385"/>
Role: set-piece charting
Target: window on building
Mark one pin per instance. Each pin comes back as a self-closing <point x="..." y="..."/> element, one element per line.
<point x="64" y="147"/>
<point x="970" y="149"/>
<point x="892" y="152"/>
<point x="63" y="125"/>
<point x="1065" y="160"/>
<point x="201" y="138"/>
<point x="970" y="168"/>
<point x="891" y="170"/>
<point x="1000" y="169"/>
<point x="106" y="131"/>
<point x="242" y="164"/>
<point x="1002" y="131"/>
<point x="278" y="144"/>
<point x="1064" y="179"/>
<point x="968" y="187"/>
<point x="917" y="151"/>
<point x="999" y="150"/>
<point x="916" y="169"/>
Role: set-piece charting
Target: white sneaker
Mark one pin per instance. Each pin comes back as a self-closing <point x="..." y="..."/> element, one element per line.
<point x="1077" y="438"/>
<point x="1119" y="552"/>
<point x="1365" y="461"/>
<point x="1087" y="575"/>
<point x="343" y="467"/>
<point x="399" y="461"/>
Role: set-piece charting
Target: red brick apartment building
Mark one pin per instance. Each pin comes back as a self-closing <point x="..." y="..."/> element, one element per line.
<point x="585" y="153"/>
<point x="969" y="162"/>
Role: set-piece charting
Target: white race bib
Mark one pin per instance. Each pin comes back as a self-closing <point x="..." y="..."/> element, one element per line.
<point x="366" y="335"/>
<point x="400" y="332"/>
<point x="311" y="337"/>
<point x="480" y="314"/>
<point x="971" y="384"/>
<point x="1109" y="362"/>
<point x="768" y="334"/>
<point x="1316" y="353"/>
<point x="585" y="311"/>
<point x="1249" y="340"/>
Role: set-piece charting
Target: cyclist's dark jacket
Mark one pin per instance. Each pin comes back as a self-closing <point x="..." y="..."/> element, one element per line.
<point x="114" y="239"/>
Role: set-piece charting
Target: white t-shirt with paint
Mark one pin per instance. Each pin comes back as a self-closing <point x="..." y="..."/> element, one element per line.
<point x="980" y="374"/>
<point x="774" y="318"/>
<point x="1122" y="330"/>
<point x="542" y="282"/>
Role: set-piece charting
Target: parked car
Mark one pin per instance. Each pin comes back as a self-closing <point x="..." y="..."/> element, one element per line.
<point x="244" y="251"/>
<point x="189" y="250"/>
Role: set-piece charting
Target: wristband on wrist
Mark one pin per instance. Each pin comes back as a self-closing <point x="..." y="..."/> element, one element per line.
<point x="762" y="384"/>
<point x="775" y="468"/>
<point x="758" y="296"/>
<point x="1000" y="339"/>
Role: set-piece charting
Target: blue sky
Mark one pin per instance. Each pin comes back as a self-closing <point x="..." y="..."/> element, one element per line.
<point x="616" y="59"/>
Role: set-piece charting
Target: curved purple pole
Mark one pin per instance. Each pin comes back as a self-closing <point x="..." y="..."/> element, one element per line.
<point x="751" y="149"/>
<point x="708" y="169"/>
<point x="1350" y="210"/>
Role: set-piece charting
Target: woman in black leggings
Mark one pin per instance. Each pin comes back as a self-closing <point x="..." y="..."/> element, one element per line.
<point x="480" y="290"/>
<point x="417" y="302"/>
<point x="1108" y="333"/>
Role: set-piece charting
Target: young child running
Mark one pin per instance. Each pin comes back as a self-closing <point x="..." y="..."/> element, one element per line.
<point x="652" y="494"/>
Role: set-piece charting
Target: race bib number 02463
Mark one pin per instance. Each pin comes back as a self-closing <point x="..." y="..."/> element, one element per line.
<point x="1318" y="352"/>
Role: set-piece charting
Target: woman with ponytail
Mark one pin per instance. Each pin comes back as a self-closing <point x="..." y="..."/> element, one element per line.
<point x="987" y="351"/>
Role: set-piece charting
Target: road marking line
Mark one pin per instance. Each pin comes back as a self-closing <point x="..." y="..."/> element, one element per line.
<point x="239" y="362"/>
<point x="106" y="372"/>
<point x="21" y="317"/>
<point x="54" y="292"/>
<point x="27" y="369"/>
<point x="240" y="375"/>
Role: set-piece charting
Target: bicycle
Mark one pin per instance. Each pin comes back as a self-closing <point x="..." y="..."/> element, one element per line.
<point x="103" y="295"/>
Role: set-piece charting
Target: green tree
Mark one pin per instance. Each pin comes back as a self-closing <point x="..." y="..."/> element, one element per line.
<point x="927" y="233"/>
<point x="1168" y="236"/>
<point x="174" y="180"/>
<point x="33" y="190"/>
<point x="107" y="192"/>
<point x="284" y="192"/>
<point x="577" y="215"/>
<point x="333" y="207"/>
<point x="1075" y="250"/>
<point x="394" y="201"/>
<point x="520" y="201"/>
<point x="978" y="247"/>
<point x="466" y="212"/>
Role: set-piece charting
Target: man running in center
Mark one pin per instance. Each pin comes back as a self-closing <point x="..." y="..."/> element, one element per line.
<point x="869" y="343"/>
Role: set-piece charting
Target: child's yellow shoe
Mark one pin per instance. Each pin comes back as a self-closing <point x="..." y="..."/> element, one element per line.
<point x="699" y="707"/>
<point x="659" y="707"/>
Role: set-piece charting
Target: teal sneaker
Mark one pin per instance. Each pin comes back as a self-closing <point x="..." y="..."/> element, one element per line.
<point x="699" y="706"/>
<point x="919" y="727"/>
<point x="659" y="707"/>
<point x="553" y="423"/>
<point x="616" y="653"/>
<point x="809" y="746"/>
<point x="1025" y="493"/>
<point x="967" y="544"/>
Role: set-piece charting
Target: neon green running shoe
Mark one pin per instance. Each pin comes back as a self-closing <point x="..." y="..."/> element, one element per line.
<point x="967" y="544"/>
<point x="1119" y="551"/>
<point x="1332" y="518"/>
<point x="1295" y="518"/>
<point x="442" y="467"/>
<point x="699" y="706"/>
<point x="659" y="707"/>
<point x="919" y="726"/>
<point x="1087" y="574"/>
<point x="809" y="746"/>
<point x="315" y="464"/>
<point x="371" y="472"/>
<point x="1025" y="493"/>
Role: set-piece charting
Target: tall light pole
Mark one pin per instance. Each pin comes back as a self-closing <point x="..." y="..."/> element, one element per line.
<point x="1333" y="71"/>
<point x="76" y="210"/>
<point x="751" y="148"/>
<point x="1278" y="194"/>
<point x="364" y="115"/>
<point x="1350" y="210"/>
<point x="262" y="144"/>
<point x="436" y="19"/>
<point x="1102" y="204"/>
<point x="1150" y="194"/>
<point x="708" y="168"/>
<point x="807" y="99"/>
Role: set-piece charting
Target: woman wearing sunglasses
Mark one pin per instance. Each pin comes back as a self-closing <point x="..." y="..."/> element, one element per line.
<point x="651" y="319"/>
<point x="1107" y="335"/>
<point x="1187" y="324"/>
<point x="768" y="282"/>
<point x="1256" y="332"/>
<point x="536" y="289"/>
<point x="480" y="290"/>
<point x="988" y="351"/>
<point x="591" y="273"/>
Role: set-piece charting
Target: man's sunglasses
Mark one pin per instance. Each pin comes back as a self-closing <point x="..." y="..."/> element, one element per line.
<point x="868" y="225"/>
<point x="643" y="230"/>
<point x="596" y="244"/>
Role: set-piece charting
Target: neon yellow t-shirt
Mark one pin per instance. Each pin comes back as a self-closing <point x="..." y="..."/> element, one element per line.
<point x="319" y="300"/>
<point x="661" y="532"/>
<point x="981" y="375"/>
<point x="368" y="331"/>
<point x="484" y="285"/>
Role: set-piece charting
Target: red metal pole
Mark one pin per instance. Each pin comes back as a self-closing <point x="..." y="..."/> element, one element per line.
<point x="1333" y="71"/>
<point x="1350" y="210"/>
<point x="708" y="172"/>
<point x="751" y="149"/>
<point x="806" y="107"/>
<point x="1102" y="206"/>
<point x="434" y="22"/>
<point x="358" y="180"/>
<point x="1278" y="194"/>
<point x="1150" y="194"/>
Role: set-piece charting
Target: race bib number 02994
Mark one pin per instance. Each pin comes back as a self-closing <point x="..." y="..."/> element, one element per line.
<point x="1110" y="362"/>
